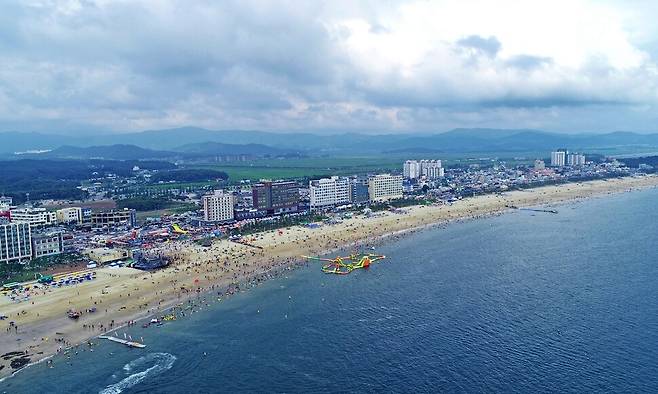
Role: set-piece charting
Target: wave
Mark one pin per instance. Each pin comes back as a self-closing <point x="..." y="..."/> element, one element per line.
<point x="155" y="364"/>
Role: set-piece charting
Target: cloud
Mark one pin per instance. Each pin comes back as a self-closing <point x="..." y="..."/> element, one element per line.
<point x="85" y="65"/>
<point x="488" y="46"/>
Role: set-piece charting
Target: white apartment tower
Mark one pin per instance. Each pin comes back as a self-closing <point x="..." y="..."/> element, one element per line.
<point x="329" y="191"/>
<point x="218" y="207"/>
<point x="411" y="169"/>
<point x="558" y="159"/>
<point x="430" y="169"/>
<point x="575" y="159"/>
<point x="384" y="187"/>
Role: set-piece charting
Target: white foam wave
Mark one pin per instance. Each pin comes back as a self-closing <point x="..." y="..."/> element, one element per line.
<point x="154" y="364"/>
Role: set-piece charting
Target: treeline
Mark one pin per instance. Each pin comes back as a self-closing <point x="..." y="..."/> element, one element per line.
<point x="189" y="175"/>
<point x="143" y="204"/>
<point x="59" y="179"/>
<point x="635" y="162"/>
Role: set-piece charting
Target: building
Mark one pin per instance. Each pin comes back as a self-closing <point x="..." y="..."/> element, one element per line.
<point x="276" y="197"/>
<point x="411" y="169"/>
<point x="107" y="255"/>
<point x="540" y="165"/>
<point x="218" y="207"/>
<point x="575" y="160"/>
<point x="384" y="187"/>
<point x="86" y="215"/>
<point x="359" y="190"/>
<point x="5" y="203"/>
<point x="15" y="242"/>
<point x="71" y="215"/>
<point x="33" y="216"/>
<point x="327" y="192"/>
<point x="558" y="158"/>
<point x="47" y="244"/>
<point x="431" y="169"/>
<point x="114" y="217"/>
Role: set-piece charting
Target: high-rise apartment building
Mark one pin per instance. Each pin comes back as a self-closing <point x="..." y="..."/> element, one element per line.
<point x="575" y="159"/>
<point x="430" y="169"/>
<point x="411" y="169"/>
<point x="558" y="158"/>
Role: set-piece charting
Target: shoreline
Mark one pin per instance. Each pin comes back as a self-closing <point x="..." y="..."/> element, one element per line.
<point x="224" y="264"/>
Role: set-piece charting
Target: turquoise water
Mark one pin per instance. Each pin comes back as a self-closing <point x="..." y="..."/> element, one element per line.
<point x="521" y="302"/>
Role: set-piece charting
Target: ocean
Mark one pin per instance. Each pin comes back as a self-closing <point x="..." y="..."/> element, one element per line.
<point x="523" y="302"/>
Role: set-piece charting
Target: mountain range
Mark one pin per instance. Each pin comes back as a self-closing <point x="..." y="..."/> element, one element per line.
<point x="198" y="151"/>
<point x="197" y="141"/>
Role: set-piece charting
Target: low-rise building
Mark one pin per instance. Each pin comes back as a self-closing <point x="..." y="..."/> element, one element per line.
<point x="47" y="244"/>
<point x="384" y="187"/>
<point x="218" y="207"/>
<point x="540" y="165"/>
<point x="107" y="255"/>
<point x="15" y="241"/>
<point x="114" y="217"/>
<point x="72" y="215"/>
<point x="33" y="216"/>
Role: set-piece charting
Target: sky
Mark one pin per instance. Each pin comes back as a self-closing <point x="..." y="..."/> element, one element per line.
<point x="382" y="66"/>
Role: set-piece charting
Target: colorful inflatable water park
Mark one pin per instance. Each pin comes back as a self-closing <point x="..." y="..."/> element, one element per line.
<point x="345" y="265"/>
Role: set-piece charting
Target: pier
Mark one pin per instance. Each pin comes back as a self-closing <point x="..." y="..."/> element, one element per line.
<point x="123" y="341"/>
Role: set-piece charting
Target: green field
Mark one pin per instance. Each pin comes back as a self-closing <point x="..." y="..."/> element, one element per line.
<point x="296" y="168"/>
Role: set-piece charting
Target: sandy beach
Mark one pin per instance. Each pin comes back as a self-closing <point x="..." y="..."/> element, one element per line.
<point x="123" y="295"/>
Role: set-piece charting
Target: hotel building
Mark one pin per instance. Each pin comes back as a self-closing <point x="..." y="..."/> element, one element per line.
<point x="15" y="242"/>
<point x="329" y="191"/>
<point x="384" y="187"/>
<point x="218" y="207"/>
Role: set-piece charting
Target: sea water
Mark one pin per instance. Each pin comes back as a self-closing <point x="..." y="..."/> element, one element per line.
<point x="522" y="302"/>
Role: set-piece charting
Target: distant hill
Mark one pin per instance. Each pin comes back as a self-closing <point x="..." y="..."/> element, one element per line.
<point x="202" y="141"/>
<point x="133" y="152"/>
<point x="109" y="152"/>
<point x="217" y="148"/>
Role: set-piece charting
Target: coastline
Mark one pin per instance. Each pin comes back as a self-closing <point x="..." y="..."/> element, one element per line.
<point x="129" y="295"/>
